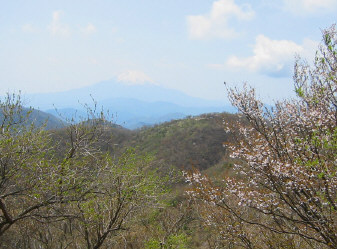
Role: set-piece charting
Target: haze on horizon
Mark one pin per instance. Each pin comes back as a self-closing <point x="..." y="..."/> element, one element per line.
<point x="192" y="46"/>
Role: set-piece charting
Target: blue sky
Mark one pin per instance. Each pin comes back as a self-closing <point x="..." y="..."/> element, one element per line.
<point x="189" y="45"/>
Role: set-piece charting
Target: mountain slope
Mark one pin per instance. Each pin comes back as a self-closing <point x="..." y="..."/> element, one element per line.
<point x="190" y="142"/>
<point x="39" y="118"/>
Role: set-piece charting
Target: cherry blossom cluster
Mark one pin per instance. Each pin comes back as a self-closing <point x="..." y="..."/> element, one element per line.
<point x="285" y="156"/>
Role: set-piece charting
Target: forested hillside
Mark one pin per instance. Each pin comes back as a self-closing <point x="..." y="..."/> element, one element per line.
<point x="265" y="178"/>
<point x="36" y="117"/>
<point x="96" y="184"/>
<point x="191" y="142"/>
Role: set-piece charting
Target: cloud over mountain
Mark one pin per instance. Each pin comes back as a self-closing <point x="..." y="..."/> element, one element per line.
<point x="134" y="77"/>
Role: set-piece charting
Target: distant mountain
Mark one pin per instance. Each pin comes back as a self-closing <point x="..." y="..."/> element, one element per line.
<point x="138" y="122"/>
<point x="39" y="118"/>
<point x="67" y="114"/>
<point x="132" y="105"/>
<point x="132" y="113"/>
<point x="112" y="89"/>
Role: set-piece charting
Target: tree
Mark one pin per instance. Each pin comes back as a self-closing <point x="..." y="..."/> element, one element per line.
<point x="58" y="189"/>
<point x="123" y="189"/>
<point x="25" y="170"/>
<point x="286" y="160"/>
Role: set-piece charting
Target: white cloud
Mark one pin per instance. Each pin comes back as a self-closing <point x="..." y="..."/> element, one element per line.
<point x="89" y="29"/>
<point x="301" y="7"/>
<point x="134" y="77"/>
<point x="215" y="23"/>
<point x="273" y="57"/>
<point x="29" y="28"/>
<point x="57" y="28"/>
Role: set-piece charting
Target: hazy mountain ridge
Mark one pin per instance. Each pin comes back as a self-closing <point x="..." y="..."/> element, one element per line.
<point x="113" y="89"/>
<point x="132" y="106"/>
<point x="38" y="118"/>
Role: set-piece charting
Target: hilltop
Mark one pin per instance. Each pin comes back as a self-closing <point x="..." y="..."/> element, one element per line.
<point x="192" y="142"/>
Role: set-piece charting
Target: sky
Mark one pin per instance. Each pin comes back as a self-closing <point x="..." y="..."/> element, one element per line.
<point x="189" y="45"/>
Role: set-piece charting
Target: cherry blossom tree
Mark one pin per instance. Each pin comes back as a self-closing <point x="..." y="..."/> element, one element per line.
<point x="286" y="162"/>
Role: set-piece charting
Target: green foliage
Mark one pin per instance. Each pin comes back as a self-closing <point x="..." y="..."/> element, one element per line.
<point x="92" y="184"/>
<point x="180" y="241"/>
<point x="299" y="92"/>
<point x="68" y="190"/>
<point x="191" y="142"/>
